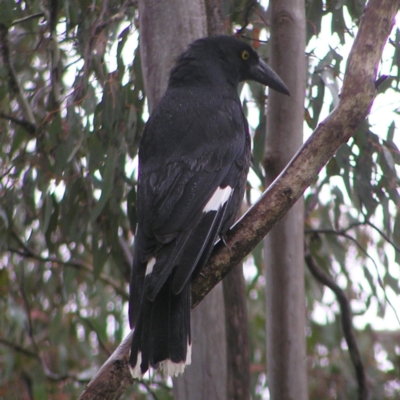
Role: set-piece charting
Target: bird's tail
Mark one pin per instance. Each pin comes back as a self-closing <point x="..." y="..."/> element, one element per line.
<point x="162" y="334"/>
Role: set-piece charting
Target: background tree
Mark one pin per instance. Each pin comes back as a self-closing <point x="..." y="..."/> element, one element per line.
<point x="72" y="110"/>
<point x="283" y="253"/>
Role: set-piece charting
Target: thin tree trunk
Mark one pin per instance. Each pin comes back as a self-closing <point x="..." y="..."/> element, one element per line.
<point x="286" y="354"/>
<point x="166" y="31"/>
<point x="237" y="335"/>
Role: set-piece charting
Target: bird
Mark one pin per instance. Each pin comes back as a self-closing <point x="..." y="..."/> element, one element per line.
<point x="194" y="157"/>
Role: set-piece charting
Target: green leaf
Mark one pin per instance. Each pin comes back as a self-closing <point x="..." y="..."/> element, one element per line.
<point x="20" y="137"/>
<point x="106" y="183"/>
<point x="4" y="282"/>
<point x="52" y="224"/>
<point x="100" y="255"/>
<point x="338" y="24"/>
<point x="54" y="131"/>
<point x="314" y="13"/>
<point x="48" y="208"/>
<point x="7" y="13"/>
<point x="355" y="8"/>
<point x="316" y="103"/>
<point x="259" y="148"/>
<point x="396" y="235"/>
<point x="131" y="208"/>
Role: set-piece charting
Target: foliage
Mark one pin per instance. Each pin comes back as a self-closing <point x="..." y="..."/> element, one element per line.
<point x="65" y="185"/>
<point x="72" y="110"/>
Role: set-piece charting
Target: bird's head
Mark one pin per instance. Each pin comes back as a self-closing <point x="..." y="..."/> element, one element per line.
<point x="227" y="58"/>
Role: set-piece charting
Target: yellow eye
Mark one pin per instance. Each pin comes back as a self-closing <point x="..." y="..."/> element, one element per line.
<point x="245" y="55"/>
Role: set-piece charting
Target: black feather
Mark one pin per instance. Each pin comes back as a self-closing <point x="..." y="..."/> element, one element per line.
<point x="195" y="144"/>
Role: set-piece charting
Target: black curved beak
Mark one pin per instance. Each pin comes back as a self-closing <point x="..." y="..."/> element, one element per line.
<point x="262" y="73"/>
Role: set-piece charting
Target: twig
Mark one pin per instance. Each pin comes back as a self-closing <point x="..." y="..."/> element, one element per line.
<point x="343" y="233"/>
<point x="28" y="18"/>
<point x="91" y="326"/>
<point x="30" y="128"/>
<point x="363" y="250"/>
<point x="78" y="264"/>
<point x="49" y="375"/>
<point x="47" y="372"/>
<point x="28" y="312"/>
<point x="248" y="8"/>
<point x="19" y="348"/>
<point x="383" y="234"/>
<point x="347" y="324"/>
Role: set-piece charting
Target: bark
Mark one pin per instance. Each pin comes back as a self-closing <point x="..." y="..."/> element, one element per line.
<point x="237" y="335"/>
<point x="166" y="31"/>
<point x="356" y="99"/>
<point x="284" y="255"/>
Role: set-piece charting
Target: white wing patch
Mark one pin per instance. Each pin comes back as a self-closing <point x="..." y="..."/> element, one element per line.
<point x="218" y="199"/>
<point x="150" y="265"/>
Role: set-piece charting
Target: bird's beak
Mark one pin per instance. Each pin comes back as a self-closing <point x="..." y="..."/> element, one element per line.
<point x="262" y="73"/>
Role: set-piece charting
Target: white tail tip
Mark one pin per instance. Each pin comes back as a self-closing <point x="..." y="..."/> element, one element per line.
<point x="136" y="372"/>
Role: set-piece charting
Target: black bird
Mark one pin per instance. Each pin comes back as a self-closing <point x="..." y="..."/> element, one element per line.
<point x="194" y="158"/>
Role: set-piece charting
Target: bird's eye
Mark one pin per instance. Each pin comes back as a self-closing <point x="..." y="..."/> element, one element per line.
<point x="245" y="55"/>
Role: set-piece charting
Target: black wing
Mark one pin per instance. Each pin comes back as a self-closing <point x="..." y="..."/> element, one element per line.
<point x="193" y="169"/>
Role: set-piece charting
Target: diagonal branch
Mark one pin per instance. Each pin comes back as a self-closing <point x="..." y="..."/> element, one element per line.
<point x="355" y="102"/>
<point x="27" y="18"/>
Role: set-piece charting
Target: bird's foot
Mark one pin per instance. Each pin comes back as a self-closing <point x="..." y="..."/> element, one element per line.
<point x="222" y="236"/>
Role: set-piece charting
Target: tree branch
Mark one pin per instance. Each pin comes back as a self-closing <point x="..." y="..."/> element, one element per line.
<point x="357" y="96"/>
<point x="27" y="18"/>
<point x="343" y="233"/>
<point x="18" y="348"/>
<point x="78" y="264"/>
<point x="383" y="234"/>
<point x="30" y="128"/>
<point x="347" y="324"/>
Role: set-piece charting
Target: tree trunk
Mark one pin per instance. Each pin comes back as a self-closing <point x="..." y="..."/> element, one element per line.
<point x="166" y="31"/>
<point x="286" y="353"/>
<point x="237" y="335"/>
